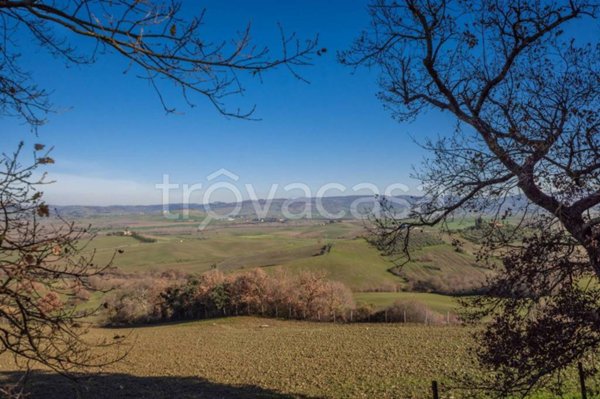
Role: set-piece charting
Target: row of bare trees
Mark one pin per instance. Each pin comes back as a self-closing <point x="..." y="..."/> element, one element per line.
<point x="307" y="296"/>
<point x="169" y="296"/>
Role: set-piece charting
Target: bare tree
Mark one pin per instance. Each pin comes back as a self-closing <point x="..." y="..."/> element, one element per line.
<point x="44" y="265"/>
<point x="525" y="95"/>
<point x="158" y="40"/>
<point x="44" y="268"/>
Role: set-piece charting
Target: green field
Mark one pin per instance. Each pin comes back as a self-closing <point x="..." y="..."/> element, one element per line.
<point x="291" y="246"/>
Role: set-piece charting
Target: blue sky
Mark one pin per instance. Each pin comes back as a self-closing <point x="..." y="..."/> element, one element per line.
<point x="113" y="141"/>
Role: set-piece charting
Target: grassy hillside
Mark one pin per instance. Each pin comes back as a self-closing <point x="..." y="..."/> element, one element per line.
<point x="442" y="268"/>
<point x="354" y="263"/>
<point x="295" y="246"/>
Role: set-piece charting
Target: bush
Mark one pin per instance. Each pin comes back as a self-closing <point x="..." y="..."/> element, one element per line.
<point x="363" y="313"/>
<point x="409" y="311"/>
<point x="450" y="285"/>
<point x="415" y="311"/>
<point x="137" y="298"/>
<point x="386" y="286"/>
<point x="142" y="238"/>
<point x="133" y="306"/>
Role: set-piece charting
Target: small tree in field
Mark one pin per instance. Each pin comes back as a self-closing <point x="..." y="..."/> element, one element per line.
<point x="526" y="98"/>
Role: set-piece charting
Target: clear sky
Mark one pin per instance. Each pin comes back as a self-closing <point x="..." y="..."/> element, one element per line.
<point x="113" y="141"/>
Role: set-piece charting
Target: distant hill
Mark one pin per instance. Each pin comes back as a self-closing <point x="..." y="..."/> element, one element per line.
<point x="348" y="206"/>
<point x="276" y="208"/>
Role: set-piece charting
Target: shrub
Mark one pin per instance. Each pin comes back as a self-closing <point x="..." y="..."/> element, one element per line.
<point x="386" y="286"/>
<point x="136" y="298"/>
<point x="450" y="285"/>
<point x="363" y="313"/>
<point x="142" y="238"/>
<point x="430" y="284"/>
<point x="82" y="295"/>
<point x="409" y="311"/>
<point x="415" y="311"/>
<point x="133" y="306"/>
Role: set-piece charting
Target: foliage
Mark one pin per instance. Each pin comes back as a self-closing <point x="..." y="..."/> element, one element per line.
<point x="42" y="274"/>
<point x="307" y="296"/>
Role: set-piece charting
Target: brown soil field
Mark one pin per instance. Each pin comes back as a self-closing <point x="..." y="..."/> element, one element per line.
<point x="260" y="358"/>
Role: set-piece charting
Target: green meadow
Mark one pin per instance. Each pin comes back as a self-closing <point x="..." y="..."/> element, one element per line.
<point x="294" y="247"/>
